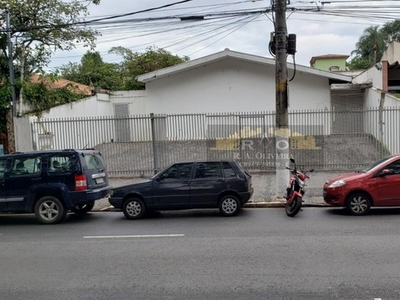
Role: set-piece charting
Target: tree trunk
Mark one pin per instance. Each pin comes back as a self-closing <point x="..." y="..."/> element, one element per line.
<point x="10" y="133"/>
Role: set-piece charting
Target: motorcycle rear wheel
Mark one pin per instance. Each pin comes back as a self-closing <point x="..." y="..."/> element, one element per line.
<point x="294" y="207"/>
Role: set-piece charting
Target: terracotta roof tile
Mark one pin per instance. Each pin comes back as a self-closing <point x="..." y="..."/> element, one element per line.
<point x="64" y="83"/>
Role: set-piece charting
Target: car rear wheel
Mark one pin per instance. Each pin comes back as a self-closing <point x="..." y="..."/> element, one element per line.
<point x="134" y="208"/>
<point x="358" y="203"/>
<point x="229" y="205"/>
<point x="83" y="208"/>
<point x="49" y="210"/>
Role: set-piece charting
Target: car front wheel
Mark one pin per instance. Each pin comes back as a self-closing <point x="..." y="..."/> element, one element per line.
<point x="229" y="205"/>
<point x="358" y="204"/>
<point x="49" y="210"/>
<point x="134" y="208"/>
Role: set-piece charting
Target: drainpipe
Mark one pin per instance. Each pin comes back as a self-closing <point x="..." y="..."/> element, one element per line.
<point x="381" y="121"/>
<point x="153" y="138"/>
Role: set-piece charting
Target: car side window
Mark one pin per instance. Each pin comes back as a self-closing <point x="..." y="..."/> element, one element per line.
<point x="394" y="167"/>
<point x="228" y="170"/>
<point x="208" y="170"/>
<point x="178" y="171"/>
<point x="25" y="166"/>
<point x="3" y="166"/>
<point x="59" y="164"/>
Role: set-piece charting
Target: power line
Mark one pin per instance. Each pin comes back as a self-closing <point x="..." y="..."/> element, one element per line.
<point x="170" y="31"/>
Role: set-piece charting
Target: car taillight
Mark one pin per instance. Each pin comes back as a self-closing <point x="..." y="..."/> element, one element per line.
<point x="80" y="183"/>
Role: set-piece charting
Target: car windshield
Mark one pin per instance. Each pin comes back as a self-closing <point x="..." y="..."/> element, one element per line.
<point x="373" y="165"/>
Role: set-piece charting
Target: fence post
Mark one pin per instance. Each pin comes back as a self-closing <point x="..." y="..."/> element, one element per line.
<point x="153" y="138"/>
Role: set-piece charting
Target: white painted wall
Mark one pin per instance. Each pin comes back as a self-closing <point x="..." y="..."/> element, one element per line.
<point x="308" y="91"/>
<point x="22" y="133"/>
<point x="98" y="105"/>
<point x="49" y="136"/>
<point x="373" y="75"/>
<point x="232" y="86"/>
<point x="381" y="127"/>
<point x="135" y="99"/>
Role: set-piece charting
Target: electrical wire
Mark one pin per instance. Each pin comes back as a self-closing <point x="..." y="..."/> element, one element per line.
<point x="187" y="35"/>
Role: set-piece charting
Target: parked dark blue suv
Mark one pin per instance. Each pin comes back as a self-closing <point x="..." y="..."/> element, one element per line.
<point x="49" y="183"/>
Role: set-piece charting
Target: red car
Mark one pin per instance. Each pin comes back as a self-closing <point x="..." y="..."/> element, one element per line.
<point x="376" y="185"/>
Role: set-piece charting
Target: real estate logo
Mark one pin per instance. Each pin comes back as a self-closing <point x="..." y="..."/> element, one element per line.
<point x="256" y="147"/>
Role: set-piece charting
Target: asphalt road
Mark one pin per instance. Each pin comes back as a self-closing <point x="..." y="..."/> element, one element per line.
<point x="323" y="253"/>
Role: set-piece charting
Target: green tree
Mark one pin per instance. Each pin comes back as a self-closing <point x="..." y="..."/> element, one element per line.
<point x="391" y="32"/>
<point x="370" y="46"/>
<point x="49" y="97"/>
<point x="41" y="27"/>
<point x="38" y="28"/>
<point x="93" y="71"/>
<point x="359" y="63"/>
<point x="135" y="64"/>
<point x="373" y="43"/>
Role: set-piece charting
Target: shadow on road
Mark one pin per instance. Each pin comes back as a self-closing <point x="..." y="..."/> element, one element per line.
<point x="185" y="213"/>
<point x="383" y="211"/>
<point x="30" y="219"/>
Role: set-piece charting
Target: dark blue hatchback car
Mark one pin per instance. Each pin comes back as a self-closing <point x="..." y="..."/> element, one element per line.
<point x="222" y="184"/>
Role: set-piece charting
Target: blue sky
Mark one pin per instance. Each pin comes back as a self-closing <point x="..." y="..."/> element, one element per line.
<point x="318" y="33"/>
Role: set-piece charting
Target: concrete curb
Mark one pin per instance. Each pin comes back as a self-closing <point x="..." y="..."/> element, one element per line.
<point x="281" y="204"/>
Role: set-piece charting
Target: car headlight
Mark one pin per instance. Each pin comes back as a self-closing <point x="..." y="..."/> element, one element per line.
<point x="337" y="183"/>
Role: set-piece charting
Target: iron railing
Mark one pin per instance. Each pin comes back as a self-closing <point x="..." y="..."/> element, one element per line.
<point x="143" y="144"/>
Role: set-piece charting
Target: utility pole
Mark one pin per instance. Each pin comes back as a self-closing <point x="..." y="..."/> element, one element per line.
<point x="280" y="65"/>
<point x="281" y="81"/>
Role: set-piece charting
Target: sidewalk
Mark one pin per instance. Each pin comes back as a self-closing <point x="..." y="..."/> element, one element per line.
<point x="308" y="202"/>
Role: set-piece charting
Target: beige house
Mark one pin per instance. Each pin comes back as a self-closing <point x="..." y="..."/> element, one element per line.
<point x="329" y="62"/>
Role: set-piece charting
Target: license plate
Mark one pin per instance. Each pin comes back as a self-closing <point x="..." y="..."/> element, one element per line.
<point x="99" y="180"/>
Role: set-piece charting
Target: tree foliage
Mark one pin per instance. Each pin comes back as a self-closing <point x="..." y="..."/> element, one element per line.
<point x="135" y="64"/>
<point x="38" y="28"/>
<point x="49" y="98"/>
<point x="41" y="27"/>
<point x="373" y="43"/>
<point x="359" y="63"/>
<point x="93" y="71"/>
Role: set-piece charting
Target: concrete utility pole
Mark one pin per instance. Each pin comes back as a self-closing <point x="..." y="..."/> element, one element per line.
<point x="281" y="130"/>
<point x="280" y="66"/>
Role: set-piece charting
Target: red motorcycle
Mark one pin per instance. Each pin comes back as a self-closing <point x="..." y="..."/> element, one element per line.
<point x="295" y="190"/>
